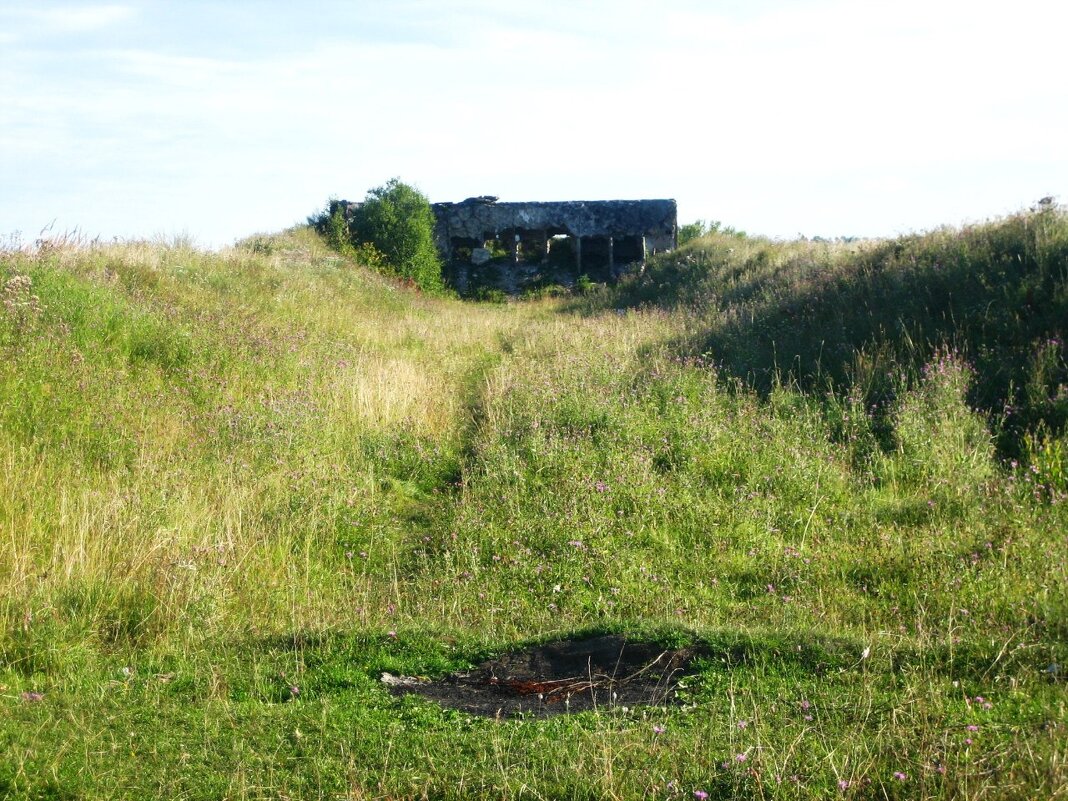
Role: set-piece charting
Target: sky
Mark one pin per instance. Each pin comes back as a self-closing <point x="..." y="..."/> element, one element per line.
<point x="219" y="120"/>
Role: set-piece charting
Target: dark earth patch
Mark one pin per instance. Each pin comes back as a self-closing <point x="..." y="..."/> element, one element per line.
<point x="560" y="677"/>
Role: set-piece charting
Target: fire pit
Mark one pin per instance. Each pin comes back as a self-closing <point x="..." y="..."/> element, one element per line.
<point x="559" y="678"/>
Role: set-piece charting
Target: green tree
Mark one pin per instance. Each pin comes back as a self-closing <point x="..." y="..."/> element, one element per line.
<point x="396" y="219"/>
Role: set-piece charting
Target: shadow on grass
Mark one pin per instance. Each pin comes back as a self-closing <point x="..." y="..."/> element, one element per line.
<point x="472" y="675"/>
<point x="869" y="318"/>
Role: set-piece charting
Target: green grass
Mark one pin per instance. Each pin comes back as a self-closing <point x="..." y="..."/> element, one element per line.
<point x="868" y="316"/>
<point x="236" y="487"/>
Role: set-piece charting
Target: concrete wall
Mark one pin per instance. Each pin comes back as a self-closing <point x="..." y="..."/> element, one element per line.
<point x="636" y="223"/>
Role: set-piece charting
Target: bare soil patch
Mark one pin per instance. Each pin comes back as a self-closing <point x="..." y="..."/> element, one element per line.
<point x="560" y="677"/>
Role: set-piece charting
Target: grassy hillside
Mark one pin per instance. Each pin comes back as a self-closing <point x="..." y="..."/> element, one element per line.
<point x="869" y="316"/>
<point x="235" y="488"/>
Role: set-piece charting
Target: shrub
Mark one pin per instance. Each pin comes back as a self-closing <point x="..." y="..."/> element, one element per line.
<point x="337" y="231"/>
<point x="397" y="221"/>
<point x="392" y="232"/>
<point x="584" y="285"/>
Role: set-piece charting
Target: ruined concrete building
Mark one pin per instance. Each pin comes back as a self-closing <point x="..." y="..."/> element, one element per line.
<point x="601" y="234"/>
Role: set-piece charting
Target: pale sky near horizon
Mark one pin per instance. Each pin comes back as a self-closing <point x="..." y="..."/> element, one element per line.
<point x="145" y="118"/>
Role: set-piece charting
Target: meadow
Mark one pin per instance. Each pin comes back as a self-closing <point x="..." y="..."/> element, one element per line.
<point x="237" y="487"/>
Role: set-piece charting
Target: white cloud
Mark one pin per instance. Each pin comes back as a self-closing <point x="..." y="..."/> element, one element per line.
<point x="69" y="19"/>
<point x="92" y="18"/>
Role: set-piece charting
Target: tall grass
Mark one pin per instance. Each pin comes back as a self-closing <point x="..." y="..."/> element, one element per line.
<point x="859" y="314"/>
<point x="236" y="487"/>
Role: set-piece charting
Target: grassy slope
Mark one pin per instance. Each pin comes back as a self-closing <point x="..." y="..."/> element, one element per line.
<point x="858" y="316"/>
<point x="234" y="489"/>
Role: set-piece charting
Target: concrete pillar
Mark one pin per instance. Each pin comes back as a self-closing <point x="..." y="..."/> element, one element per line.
<point x="515" y="248"/>
<point x="611" y="256"/>
<point x="645" y="252"/>
<point x="578" y="254"/>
